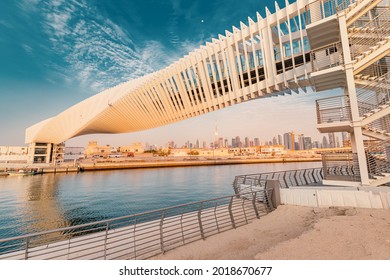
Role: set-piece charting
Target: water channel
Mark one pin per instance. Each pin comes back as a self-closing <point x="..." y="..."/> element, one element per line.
<point x="36" y="203"/>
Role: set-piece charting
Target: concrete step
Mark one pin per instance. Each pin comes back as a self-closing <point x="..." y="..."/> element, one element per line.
<point x="358" y="76"/>
<point x="367" y="114"/>
<point x="372" y="78"/>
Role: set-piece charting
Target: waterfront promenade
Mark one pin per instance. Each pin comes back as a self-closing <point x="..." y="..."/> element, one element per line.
<point x="299" y="233"/>
<point x="112" y="164"/>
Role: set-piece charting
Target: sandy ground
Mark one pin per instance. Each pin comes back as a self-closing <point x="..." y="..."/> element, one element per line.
<point x="300" y="233"/>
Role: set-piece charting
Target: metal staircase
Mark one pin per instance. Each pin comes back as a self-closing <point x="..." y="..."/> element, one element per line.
<point x="368" y="31"/>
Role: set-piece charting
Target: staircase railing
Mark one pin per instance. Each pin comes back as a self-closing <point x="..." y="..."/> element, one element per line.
<point x="373" y="71"/>
<point x="322" y="9"/>
<point x="374" y="95"/>
<point x="365" y="38"/>
<point x="326" y="57"/>
<point x="333" y="109"/>
<point x="378" y="158"/>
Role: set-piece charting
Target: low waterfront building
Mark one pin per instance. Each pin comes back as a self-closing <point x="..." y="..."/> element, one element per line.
<point x="74" y="153"/>
<point x="274" y="150"/>
<point x="93" y="149"/>
<point x="13" y="154"/>
<point x="34" y="153"/>
<point x="136" y="148"/>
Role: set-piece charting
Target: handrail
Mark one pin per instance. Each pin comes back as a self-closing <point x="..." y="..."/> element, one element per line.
<point x="286" y="179"/>
<point x="333" y="109"/>
<point x="327" y="56"/>
<point x="377" y="30"/>
<point x="378" y="158"/>
<point x="322" y="9"/>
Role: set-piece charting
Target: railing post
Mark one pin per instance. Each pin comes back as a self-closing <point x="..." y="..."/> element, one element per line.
<point x="200" y="220"/>
<point x="181" y="226"/>
<point x="231" y="212"/>
<point x="105" y="241"/>
<point x="161" y="231"/>
<point x="243" y="209"/>
<point x="215" y="215"/>
<point x="26" y="252"/>
<point x="284" y="179"/>
<point x="295" y="177"/>
<point x="254" y="205"/>
<point x="134" y="233"/>
<point x="304" y="177"/>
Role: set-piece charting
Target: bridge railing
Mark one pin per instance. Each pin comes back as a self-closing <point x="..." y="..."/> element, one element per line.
<point x="286" y="179"/>
<point x="141" y="236"/>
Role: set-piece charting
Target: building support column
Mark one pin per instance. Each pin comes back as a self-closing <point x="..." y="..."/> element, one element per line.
<point x="350" y="91"/>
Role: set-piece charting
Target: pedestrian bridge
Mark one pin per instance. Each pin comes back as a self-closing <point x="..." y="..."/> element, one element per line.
<point x="322" y="44"/>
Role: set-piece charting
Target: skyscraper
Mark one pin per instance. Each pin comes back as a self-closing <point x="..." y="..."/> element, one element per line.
<point x="234" y="144"/>
<point x="280" y="139"/>
<point x="307" y="143"/>
<point x="289" y="140"/>
<point x="325" y="142"/>
<point x="301" y="145"/>
<point x="238" y="142"/>
<point x="246" y="142"/>
<point x="257" y="141"/>
<point x="332" y="140"/>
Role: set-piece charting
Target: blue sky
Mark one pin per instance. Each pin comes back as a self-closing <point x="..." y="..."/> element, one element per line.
<point x="55" y="53"/>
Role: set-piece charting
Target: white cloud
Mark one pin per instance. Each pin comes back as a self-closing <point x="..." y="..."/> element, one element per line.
<point x="28" y="49"/>
<point x="99" y="52"/>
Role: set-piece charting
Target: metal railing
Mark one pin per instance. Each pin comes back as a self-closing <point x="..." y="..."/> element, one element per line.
<point x="333" y="109"/>
<point x="371" y="98"/>
<point x="289" y="178"/>
<point x="364" y="39"/>
<point x="374" y="95"/>
<point x="341" y="166"/>
<point x="378" y="158"/>
<point x="141" y="236"/>
<point x="322" y="9"/>
<point x="326" y="57"/>
<point x="373" y="71"/>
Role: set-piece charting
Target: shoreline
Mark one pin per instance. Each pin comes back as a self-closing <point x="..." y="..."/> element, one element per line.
<point x="101" y="166"/>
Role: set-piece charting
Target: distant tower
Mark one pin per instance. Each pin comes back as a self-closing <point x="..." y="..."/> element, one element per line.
<point x="280" y="139"/>
<point x="301" y="144"/>
<point x="307" y="143"/>
<point x="238" y="142"/>
<point x="246" y="142"/>
<point x="332" y="140"/>
<point x="289" y="140"/>
<point x="325" y="142"/>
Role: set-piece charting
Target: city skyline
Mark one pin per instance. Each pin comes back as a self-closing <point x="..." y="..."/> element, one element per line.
<point x="53" y="59"/>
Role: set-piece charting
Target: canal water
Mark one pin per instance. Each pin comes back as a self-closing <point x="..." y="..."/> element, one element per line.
<point x="37" y="203"/>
